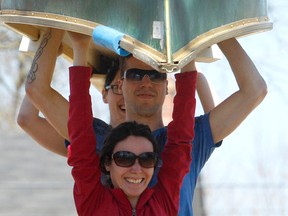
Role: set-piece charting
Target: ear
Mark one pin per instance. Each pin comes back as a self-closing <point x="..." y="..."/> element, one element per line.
<point x="120" y="85"/>
<point x="107" y="167"/>
<point x="104" y="96"/>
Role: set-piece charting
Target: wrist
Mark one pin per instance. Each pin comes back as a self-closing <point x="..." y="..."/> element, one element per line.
<point x="80" y="57"/>
<point x="189" y="67"/>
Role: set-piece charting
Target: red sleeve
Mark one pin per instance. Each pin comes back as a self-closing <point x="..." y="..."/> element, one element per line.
<point x="180" y="134"/>
<point x="82" y="151"/>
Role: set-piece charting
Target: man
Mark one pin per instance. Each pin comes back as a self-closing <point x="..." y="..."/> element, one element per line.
<point x="144" y="100"/>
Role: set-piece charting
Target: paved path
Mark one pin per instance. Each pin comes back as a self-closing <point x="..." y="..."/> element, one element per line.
<point x="33" y="181"/>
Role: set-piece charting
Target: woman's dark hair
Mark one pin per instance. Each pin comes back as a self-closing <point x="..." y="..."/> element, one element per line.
<point x="111" y="72"/>
<point x="120" y="133"/>
<point x="110" y="66"/>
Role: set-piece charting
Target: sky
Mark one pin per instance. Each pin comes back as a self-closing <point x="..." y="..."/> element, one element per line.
<point x="249" y="169"/>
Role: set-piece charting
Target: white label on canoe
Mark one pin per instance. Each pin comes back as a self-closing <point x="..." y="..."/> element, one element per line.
<point x="158" y="27"/>
<point x="158" y="32"/>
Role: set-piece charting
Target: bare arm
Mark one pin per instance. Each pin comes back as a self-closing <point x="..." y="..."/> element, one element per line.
<point x="229" y="114"/>
<point x="80" y="45"/>
<point x="39" y="129"/>
<point x="204" y="93"/>
<point x="38" y="86"/>
<point x="203" y="88"/>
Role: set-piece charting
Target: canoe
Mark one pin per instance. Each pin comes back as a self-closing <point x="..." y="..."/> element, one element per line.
<point x="166" y="34"/>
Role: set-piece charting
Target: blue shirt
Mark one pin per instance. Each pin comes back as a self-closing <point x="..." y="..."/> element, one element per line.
<point x="203" y="146"/>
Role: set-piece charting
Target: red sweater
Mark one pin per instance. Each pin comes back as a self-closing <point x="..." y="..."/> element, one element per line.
<point x="91" y="197"/>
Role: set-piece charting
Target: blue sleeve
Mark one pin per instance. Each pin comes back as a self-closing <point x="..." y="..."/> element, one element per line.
<point x="203" y="144"/>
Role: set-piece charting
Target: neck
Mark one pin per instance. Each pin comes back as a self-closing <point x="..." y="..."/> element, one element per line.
<point x="154" y="122"/>
<point x="133" y="201"/>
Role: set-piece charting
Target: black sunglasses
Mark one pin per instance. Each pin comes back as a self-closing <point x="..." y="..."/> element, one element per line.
<point x="136" y="75"/>
<point x="127" y="159"/>
<point x="115" y="89"/>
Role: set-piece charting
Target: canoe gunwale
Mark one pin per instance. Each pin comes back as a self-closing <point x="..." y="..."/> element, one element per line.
<point x="34" y="21"/>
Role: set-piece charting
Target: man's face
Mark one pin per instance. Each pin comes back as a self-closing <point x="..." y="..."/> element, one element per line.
<point x="115" y="102"/>
<point x="143" y="98"/>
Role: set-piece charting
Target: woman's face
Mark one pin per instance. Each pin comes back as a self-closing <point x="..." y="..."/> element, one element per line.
<point x="116" y="104"/>
<point x="135" y="179"/>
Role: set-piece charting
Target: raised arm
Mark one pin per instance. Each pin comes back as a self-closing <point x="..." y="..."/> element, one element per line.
<point x="177" y="152"/>
<point x="204" y="93"/>
<point x="229" y="114"/>
<point x="39" y="129"/>
<point x="38" y="85"/>
<point x="82" y="155"/>
<point x="202" y="87"/>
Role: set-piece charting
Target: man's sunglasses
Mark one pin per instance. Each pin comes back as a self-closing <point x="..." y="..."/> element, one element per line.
<point x="115" y="89"/>
<point x="136" y="75"/>
<point x="127" y="159"/>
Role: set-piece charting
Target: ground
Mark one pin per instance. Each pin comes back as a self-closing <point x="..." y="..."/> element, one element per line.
<point x="33" y="181"/>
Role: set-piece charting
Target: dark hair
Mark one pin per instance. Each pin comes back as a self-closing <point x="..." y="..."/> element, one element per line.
<point x="111" y="72"/>
<point x="110" y="66"/>
<point x="106" y="65"/>
<point x="120" y="133"/>
<point x="122" y="63"/>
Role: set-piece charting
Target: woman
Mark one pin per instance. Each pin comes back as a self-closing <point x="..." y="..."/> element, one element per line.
<point x="129" y="157"/>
